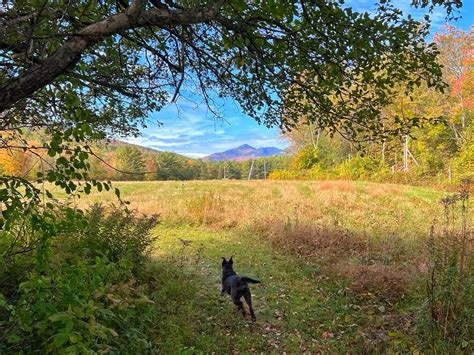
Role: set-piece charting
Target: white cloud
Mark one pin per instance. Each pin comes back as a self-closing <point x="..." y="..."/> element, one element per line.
<point x="195" y="155"/>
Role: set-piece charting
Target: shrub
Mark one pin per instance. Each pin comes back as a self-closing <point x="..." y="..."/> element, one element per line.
<point x="116" y="233"/>
<point x="464" y="163"/>
<point x="319" y="172"/>
<point x="359" y="167"/>
<point x="78" y="307"/>
<point x="306" y="158"/>
<point x="85" y="298"/>
<point x="285" y="175"/>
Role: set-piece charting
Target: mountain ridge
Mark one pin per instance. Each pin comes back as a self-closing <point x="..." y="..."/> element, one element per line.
<point x="245" y="152"/>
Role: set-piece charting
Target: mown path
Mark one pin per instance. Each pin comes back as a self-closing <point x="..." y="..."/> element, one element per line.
<point x="299" y="308"/>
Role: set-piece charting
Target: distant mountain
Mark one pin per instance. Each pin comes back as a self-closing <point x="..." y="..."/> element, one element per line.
<point x="245" y="152"/>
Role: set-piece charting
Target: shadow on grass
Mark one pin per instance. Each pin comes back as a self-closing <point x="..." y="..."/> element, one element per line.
<point x="298" y="308"/>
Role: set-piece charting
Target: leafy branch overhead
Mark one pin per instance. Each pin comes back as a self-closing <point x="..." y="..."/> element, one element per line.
<point x="110" y="63"/>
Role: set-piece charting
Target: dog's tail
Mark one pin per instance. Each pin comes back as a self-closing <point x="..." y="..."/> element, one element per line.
<point x="249" y="280"/>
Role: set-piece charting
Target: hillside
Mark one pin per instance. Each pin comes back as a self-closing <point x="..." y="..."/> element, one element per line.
<point x="245" y="152"/>
<point x="113" y="144"/>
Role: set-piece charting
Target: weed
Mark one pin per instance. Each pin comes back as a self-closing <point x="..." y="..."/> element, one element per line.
<point x="86" y="298"/>
<point x="450" y="287"/>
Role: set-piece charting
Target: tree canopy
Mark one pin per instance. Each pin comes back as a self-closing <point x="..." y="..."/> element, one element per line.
<point x="110" y="63"/>
<point x="439" y="151"/>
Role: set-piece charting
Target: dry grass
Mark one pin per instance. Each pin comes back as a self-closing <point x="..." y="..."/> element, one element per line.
<point x="386" y="282"/>
<point x="366" y="208"/>
<point x="307" y="240"/>
<point x="373" y="223"/>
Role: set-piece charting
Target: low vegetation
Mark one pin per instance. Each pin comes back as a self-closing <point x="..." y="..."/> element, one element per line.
<point x="374" y="267"/>
<point x="85" y="292"/>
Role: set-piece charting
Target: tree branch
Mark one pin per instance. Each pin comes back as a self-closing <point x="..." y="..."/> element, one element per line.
<point x="69" y="54"/>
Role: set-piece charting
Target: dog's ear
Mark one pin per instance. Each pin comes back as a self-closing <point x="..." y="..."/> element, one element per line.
<point x="223" y="261"/>
<point x="230" y="260"/>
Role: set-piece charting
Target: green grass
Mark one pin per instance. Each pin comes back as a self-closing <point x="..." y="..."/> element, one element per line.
<point x="299" y="308"/>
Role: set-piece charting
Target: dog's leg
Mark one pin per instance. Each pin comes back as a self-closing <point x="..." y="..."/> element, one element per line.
<point x="240" y="307"/>
<point x="248" y="299"/>
<point x="236" y="299"/>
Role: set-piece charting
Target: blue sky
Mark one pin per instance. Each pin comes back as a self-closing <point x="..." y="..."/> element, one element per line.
<point x="188" y="128"/>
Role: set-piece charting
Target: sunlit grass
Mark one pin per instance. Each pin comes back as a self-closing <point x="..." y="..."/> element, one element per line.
<point x="358" y="206"/>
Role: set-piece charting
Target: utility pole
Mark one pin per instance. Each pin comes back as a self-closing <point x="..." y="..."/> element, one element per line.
<point x="384" y="144"/>
<point x="405" y="155"/>
<point x="405" y="147"/>
<point x="251" y="168"/>
<point x="264" y="170"/>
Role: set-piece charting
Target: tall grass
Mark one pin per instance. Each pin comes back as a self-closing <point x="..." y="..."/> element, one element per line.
<point x="450" y="286"/>
<point x="354" y="229"/>
<point x="381" y="223"/>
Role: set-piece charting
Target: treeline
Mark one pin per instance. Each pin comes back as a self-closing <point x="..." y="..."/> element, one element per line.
<point x="439" y="149"/>
<point x="128" y="162"/>
<point x="118" y="161"/>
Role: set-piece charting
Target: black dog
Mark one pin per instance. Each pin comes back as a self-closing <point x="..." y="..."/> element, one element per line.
<point x="237" y="286"/>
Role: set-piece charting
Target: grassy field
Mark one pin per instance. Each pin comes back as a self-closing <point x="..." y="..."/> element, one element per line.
<point x="344" y="265"/>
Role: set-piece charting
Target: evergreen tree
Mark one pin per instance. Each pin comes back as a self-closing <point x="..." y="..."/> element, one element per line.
<point x="131" y="163"/>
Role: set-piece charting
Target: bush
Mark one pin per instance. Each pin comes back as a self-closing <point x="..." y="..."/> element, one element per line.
<point x="318" y="172"/>
<point x="285" y="175"/>
<point x="306" y="158"/>
<point x="87" y="297"/>
<point x="464" y="163"/>
<point x="359" y="167"/>
<point x="116" y="233"/>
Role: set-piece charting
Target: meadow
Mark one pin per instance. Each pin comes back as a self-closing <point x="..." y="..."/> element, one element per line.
<point x="345" y="266"/>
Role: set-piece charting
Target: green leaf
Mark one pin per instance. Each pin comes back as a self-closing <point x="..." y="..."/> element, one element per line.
<point x="60" y="339"/>
<point x="62" y="161"/>
<point x="59" y="317"/>
<point x="83" y="156"/>
<point x="74" y="338"/>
